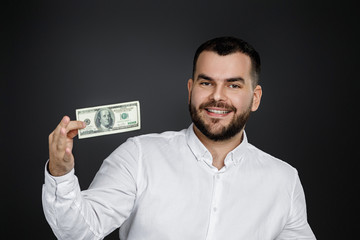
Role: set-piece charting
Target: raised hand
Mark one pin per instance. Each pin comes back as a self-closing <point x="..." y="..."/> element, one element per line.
<point x="61" y="159"/>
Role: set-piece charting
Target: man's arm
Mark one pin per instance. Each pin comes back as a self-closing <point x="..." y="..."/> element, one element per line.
<point x="61" y="197"/>
<point x="94" y="213"/>
<point x="297" y="226"/>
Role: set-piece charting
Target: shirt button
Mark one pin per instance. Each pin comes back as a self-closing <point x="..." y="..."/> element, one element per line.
<point x="214" y="209"/>
<point x="218" y="176"/>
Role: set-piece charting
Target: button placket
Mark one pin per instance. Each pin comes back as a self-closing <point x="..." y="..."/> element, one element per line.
<point x="214" y="206"/>
<point x="217" y="191"/>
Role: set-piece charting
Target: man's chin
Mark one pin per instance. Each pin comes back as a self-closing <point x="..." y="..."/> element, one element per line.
<point x="216" y="125"/>
<point x="217" y="130"/>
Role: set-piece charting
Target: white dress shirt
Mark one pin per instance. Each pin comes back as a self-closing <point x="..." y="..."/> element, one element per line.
<point x="164" y="187"/>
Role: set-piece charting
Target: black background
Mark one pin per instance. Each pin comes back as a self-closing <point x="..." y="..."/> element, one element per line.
<point x="57" y="56"/>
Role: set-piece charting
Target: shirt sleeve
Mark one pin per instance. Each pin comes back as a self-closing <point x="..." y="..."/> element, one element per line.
<point x="96" y="212"/>
<point x="297" y="226"/>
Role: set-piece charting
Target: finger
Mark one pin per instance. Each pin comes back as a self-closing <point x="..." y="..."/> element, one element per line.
<point x="64" y="121"/>
<point x="61" y="140"/>
<point x="60" y="135"/>
<point x="63" y="124"/>
<point x="69" y="126"/>
<point x="75" y="125"/>
<point x="72" y="133"/>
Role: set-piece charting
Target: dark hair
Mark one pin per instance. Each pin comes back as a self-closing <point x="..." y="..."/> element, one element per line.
<point x="227" y="45"/>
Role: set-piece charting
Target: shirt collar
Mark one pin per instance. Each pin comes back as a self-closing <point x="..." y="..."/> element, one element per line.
<point x="201" y="152"/>
<point x="196" y="146"/>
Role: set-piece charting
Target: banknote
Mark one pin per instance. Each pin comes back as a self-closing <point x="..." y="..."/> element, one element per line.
<point x="109" y="119"/>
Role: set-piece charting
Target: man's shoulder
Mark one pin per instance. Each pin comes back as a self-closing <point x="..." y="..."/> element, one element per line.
<point x="166" y="136"/>
<point x="268" y="161"/>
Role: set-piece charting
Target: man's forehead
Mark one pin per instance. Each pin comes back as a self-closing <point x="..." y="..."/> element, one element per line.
<point x="223" y="67"/>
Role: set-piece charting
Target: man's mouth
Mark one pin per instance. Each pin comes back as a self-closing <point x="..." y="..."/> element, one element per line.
<point x="216" y="111"/>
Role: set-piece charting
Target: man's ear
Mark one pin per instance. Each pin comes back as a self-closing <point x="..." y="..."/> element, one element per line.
<point x="256" y="98"/>
<point x="189" y="86"/>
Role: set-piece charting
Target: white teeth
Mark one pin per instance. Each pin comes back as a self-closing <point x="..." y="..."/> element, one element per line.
<point x="218" y="111"/>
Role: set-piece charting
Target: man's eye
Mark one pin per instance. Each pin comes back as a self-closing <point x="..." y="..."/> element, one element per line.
<point x="234" y="86"/>
<point x="205" y="83"/>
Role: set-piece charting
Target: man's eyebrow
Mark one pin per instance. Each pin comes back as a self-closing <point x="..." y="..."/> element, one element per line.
<point x="236" y="79"/>
<point x="233" y="79"/>
<point x="203" y="76"/>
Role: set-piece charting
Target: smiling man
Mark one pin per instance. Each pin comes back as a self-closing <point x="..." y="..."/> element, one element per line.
<point x="221" y="96"/>
<point x="204" y="182"/>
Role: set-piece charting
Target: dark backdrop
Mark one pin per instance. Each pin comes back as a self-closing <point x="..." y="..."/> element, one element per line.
<point x="57" y="56"/>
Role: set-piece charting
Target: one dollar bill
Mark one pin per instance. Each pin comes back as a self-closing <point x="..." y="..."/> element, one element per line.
<point x="109" y="119"/>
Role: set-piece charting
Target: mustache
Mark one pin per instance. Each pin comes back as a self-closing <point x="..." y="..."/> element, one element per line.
<point x="217" y="104"/>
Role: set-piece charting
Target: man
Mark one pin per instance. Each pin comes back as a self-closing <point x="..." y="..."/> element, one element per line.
<point x="104" y="121"/>
<point x="204" y="182"/>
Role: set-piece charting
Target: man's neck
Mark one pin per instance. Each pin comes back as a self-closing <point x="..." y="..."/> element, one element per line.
<point x="219" y="149"/>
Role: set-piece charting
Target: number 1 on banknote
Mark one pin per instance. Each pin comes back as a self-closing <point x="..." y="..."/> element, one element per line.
<point x="109" y="119"/>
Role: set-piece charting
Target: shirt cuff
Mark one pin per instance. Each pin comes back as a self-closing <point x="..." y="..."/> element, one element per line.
<point x="64" y="182"/>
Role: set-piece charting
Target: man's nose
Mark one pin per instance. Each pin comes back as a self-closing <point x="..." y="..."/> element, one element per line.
<point x="219" y="93"/>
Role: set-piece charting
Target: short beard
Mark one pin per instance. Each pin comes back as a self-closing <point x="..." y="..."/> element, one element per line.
<point x="227" y="132"/>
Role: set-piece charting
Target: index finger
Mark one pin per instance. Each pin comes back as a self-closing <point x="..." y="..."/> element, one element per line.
<point x="63" y="124"/>
<point x="64" y="121"/>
